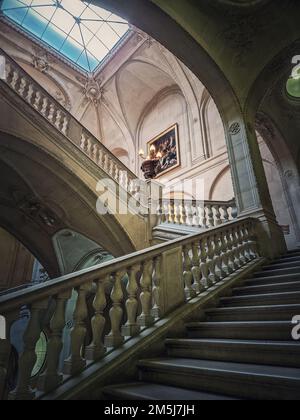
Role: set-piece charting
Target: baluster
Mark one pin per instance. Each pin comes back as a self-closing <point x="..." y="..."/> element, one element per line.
<point x="231" y="260"/>
<point x="202" y="216"/>
<point x="220" y="273"/>
<point x="44" y="107"/>
<point x="83" y="141"/>
<point x="245" y="243"/>
<point x="183" y="212"/>
<point x="51" y="115"/>
<point x="30" y="93"/>
<point x="224" y="255"/>
<point x="115" y="338"/>
<point x="187" y="274"/>
<point x="252" y="241"/>
<point x="146" y="319"/>
<point x="226" y="214"/>
<point x="190" y="214"/>
<point x="28" y="358"/>
<point x="15" y="81"/>
<point x="101" y="157"/>
<point x="236" y="252"/>
<point x="240" y="246"/>
<point x="89" y="147"/>
<point x="106" y="163"/>
<point x="218" y="219"/>
<point x="65" y="124"/>
<point x="58" y="119"/>
<point x="161" y="218"/>
<point x="131" y="329"/>
<point x="37" y="101"/>
<point x="210" y="216"/>
<point x="210" y="260"/>
<point x="9" y="73"/>
<point x="204" y="264"/>
<point x="52" y="378"/>
<point x="198" y="286"/>
<point x="96" y="350"/>
<point x="76" y="362"/>
<point x="177" y="213"/>
<point x="23" y="87"/>
<point x="95" y="153"/>
<point x="172" y="211"/>
<point x="196" y="219"/>
<point x="157" y="276"/>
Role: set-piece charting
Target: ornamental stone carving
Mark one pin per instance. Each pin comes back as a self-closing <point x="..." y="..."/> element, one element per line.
<point x="93" y="91"/>
<point x="234" y="129"/>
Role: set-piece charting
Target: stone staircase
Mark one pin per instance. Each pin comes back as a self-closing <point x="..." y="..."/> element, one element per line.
<point x="244" y="349"/>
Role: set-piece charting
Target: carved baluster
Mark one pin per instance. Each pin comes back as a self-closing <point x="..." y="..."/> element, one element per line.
<point x="89" y="147"/>
<point x="37" y="100"/>
<point x="231" y="260"/>
<point x="15" y="81"/>
<point x="177" y="213"/>
<point x="187" y="274"/>
<point x="157" y="276"/>
<point x="57" y="121"/>
<point x="106" y="163"/>
<point x="252" y="241"/>
<point x="210" y="260"/>
<point x="246" y="247"/>
<point x="198" y="286"/>
<point x="172" y="211"/>
<point x="236" y="252"/>
<point x="83" y="141"/>
<point x="96" y="350"/>
<point x="224" y="255"/>
<point x="101" y="157"/>
<point x="23" y="87"/>
<point x="28" y="358"/>
<point x="95" y="153"/>
<point x="241" y="247"/>
<point x="183" y="212"/>
<point x="202" y="216"/>
<point x="44" y="108"/>
<point x="218" y="219"/>
<point x="30" y="93"/>
<point x="65" y="125"/>
<point x="219" y="272"/>
<point x="204" y="264"/>
<point x="146" y="319"/>
<point x="51" y="115"/>
<point x="115" y="338"/>
<point x="76" y="362"/>
<point x="131" y="329"/>
<point x="160" y="213"/>
<point x="190" y="214"/>
<point x="52" y="378"/>
<point x="210" y="216"/>
<point x="9" y="73"/>
<point x="196" y="219"/>
<point x="226" y="214"/>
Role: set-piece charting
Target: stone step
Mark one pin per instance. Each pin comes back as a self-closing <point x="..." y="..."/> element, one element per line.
<point x="233" y="379"/>
<point x="288" y="259"/>
<point x="281" y="266"/>
<point x="239" y="351"/>
<point x="278" y="272"/>
<point x="271" y="280"/>
<point x="267" y="288"/>
<point x="254" y="313"/>
<point x="247" y="330"/>
<point x="140" y="391"/>
<point x="263" y="299"/>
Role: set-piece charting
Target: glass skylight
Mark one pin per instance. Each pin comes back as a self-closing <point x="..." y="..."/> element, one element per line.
<point x="82" y="32"/>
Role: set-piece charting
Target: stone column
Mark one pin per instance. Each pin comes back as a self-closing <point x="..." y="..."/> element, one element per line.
<point x="250" y="185"/>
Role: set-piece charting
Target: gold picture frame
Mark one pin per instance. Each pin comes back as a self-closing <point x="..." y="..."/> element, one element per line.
<point x="167" y="150"/>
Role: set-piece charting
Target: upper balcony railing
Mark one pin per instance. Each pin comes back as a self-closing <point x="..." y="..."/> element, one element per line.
<point x="55" y="114"/>
<point x="130" y="294"/>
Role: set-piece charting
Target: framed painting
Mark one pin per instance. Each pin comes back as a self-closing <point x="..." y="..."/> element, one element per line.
<point x="165" y="147"/>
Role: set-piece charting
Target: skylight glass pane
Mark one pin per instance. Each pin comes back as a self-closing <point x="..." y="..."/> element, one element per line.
<point x="81" y="32"/>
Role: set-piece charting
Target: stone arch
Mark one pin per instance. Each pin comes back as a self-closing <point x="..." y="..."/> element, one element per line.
<point x="221" y="180"/>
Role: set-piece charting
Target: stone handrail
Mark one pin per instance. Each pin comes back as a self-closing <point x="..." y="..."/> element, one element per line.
<point x="55" y="114"/>
<point x="192" y="213"/>
<point x="143" y="288"/>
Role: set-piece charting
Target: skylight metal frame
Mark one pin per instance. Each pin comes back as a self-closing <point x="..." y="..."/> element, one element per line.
<point x="108" y="21"/>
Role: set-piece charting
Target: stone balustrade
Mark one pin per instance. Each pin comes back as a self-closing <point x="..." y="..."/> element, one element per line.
<point x="203" y="215"/>
<point x="128" y="295"/>
<point x="55" y="114"/>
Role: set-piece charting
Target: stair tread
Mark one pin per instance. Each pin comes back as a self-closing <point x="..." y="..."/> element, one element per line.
<point x="226" y="367"/>
<point x="255" y="296"/>
<point x="152" y="391"/>
<point x="239" y="323"/>
<point x="283" y="276"/>
<point x="266" y="286"/>
<point x="253" y="308"/>
<point x="233" y="342"/>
